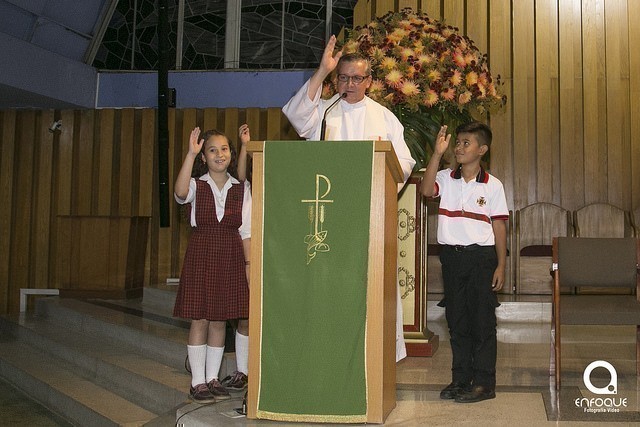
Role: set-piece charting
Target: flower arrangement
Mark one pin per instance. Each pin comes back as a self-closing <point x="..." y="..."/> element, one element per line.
<point x="426" y="73"/>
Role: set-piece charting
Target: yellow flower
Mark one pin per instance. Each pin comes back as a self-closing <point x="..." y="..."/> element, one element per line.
<point x="389" y="63"/>
<point x="409" y="88"/>
<point x="434" y="75"/>
<point x="405" y="24"/>
<point x="405" y="53"/>
<point x="472" y="78"/>
<point x="397" y="35"/>
<point x="425" y="60"/>
<point x="394" y="78"/>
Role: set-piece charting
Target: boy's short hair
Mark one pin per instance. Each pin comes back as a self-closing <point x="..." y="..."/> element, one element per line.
<point x="480" y="130"/>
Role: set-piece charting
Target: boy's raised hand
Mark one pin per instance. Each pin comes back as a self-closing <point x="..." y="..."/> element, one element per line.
<point x="194" y="145"/>
<point x="442" y="141"/>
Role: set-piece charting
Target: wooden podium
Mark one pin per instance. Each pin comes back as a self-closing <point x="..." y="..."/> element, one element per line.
<point x="381" y="283"/>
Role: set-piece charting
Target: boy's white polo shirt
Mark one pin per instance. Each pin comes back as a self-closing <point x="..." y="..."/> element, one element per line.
<point x="467" y="209"/>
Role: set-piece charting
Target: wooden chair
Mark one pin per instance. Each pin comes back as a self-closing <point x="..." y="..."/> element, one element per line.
<point x="535" y="227"/>
<point x="603" y="220"/>
<point x="598" y="262"/>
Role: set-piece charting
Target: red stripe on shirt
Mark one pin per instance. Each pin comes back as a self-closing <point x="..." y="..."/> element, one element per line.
<point x="464" y="214"/>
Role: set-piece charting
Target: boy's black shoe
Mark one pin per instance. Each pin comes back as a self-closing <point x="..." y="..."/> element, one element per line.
<point x="477" y="394"/>
<point x="453" y="390"/>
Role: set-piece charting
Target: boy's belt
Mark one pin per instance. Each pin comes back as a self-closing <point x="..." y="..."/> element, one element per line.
<point x="461" y="248"/>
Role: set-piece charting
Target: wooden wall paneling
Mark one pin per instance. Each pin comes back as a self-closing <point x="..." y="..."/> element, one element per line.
<point x="501" y="123"/>
<point x="546" y="101"/>
<point x="162" y="251"/>
<point x="477" y="23"/>
<point x="382" y="7"/>
<point x="453" y="14"/>
<point x="40" y="256"/>
<point x="362" y="12"/>
<point x="64" y="163"/>
<point x="523" y="100"/>
<point x="125" y="160"/>
<point x="135" y="162"/>
<point x="210" y="120"/>
<point x="275" y="119"/>
<point x="231" y="124"/>
<point x="183" y="228"/>
<point x="20" y="271"/>
<point x="595" y="107"/>
<point x="252" y="118"/>
<point x="83" y="161"/>
<point x="433" y="8"/>
<point x="618" y="138"/>
<point x="104" y="153"/>
<point x="7" y="187"/>
<point x="634" y="104"/>
<point x="147" y="143"/>
<point x="145" y="208"/>
<point x="571" y="108"/>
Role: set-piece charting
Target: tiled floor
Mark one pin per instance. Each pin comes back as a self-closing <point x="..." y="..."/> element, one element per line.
<point x="525" y="395"/>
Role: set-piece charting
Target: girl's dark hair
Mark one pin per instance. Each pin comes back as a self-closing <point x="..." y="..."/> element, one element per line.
<point x="200" y="166"/>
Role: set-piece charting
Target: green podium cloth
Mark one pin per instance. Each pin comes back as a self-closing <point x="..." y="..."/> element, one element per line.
<point x="317" y="197"/>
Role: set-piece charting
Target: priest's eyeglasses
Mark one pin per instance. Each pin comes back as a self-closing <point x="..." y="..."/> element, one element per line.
<point x="355" y="79"/>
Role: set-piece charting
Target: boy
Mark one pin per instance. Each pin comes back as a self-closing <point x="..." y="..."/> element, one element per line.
<point x="473" y="233"/>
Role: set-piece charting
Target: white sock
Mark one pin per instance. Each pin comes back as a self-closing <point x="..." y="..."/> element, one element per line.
<point x="197" y="357"/>
<point x="214" y="360"/>
<point x="242" y="353"/>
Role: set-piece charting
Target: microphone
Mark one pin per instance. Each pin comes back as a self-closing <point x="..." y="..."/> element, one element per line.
<point x="323" y="128"/>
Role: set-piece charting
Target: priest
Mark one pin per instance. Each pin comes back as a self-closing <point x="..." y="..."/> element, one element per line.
<point x="349" y="115"/>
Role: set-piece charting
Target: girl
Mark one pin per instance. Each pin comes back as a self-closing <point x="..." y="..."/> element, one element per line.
<point x="214" y="281"/>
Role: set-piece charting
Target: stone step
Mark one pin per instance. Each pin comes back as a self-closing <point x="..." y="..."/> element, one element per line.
<point x="159" y="337"/>
<point x="54" y="383"/>
<point x="110" y="363"/>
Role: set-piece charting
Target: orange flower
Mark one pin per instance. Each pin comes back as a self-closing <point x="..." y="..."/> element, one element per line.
<point x="458" y="59"/>
<point x="456" y="78"/>
<point x="449" y="94"/>
<point x="431" y="97"/>
<point x="464" y="98"/>
<point x="376" y="88"/>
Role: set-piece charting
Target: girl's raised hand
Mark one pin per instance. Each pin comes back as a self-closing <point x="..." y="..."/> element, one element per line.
<point x="245" y="135"/>
<point x="442" y="140"/>
<point x="194" y="145"/>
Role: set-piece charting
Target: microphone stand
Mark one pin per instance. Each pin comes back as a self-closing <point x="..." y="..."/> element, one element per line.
<point x="323" y="129"/>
